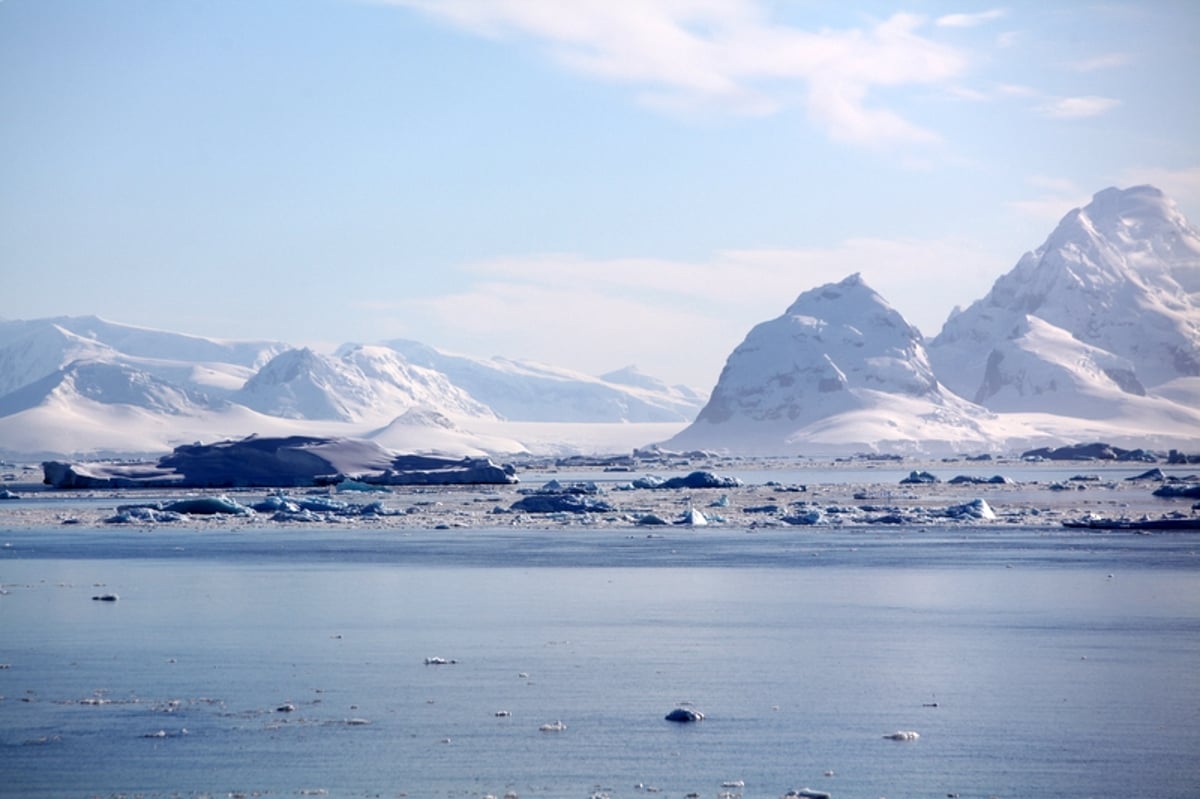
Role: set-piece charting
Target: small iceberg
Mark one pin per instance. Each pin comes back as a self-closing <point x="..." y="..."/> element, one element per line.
<point x="975" y="509"/>
<point x="208" y="506"/>
<point x="684" y="715"/>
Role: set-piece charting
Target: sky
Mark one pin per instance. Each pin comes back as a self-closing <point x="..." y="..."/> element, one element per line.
<point x="590" y="184"/>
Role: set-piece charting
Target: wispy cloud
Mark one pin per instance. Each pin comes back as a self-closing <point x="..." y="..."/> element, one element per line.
<point x="1056" y="196"/>
<point x="969" y="20"/>
<point x="726" y="56"/>
<point x="1107" y="61"/>
<point x="1077" y="107"/>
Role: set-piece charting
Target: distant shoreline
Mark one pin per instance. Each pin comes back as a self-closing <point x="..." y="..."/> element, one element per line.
<point x="868" y="497"/>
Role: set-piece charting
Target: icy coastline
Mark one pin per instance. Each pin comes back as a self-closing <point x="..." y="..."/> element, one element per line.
<point x="894" y="495"/>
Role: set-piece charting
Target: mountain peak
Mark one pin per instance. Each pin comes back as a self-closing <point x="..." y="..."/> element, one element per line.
<point x="836" y="336"/>
<point x="1121" y="275"/>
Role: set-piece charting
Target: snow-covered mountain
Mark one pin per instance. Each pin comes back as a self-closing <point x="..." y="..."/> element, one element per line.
<point x="841" y="369"/>
<point x="72" y="385"/>
<point x="1106" y="309"/>
<point x="361" y="384"/>
<point x="528" y="391"/>
<point x="1093" y="336"/>
<point x="32" y="349"/>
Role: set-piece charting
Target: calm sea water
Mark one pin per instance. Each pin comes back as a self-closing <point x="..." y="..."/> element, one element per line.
<point x="1031" y="663"/>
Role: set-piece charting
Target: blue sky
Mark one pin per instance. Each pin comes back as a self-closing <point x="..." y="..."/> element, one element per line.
<point x="589" y="183"/>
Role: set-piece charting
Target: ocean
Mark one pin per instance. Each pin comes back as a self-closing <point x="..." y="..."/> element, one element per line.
<point x="284" y="662"/>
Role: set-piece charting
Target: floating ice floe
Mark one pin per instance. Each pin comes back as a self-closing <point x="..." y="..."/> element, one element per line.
<point x="963" y="479"/>
<point x="142" y="514"/>
<point x="554" y="497"/>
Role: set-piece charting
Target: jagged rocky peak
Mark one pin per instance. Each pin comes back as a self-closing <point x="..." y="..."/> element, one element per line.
<point x="1120" y="275"/>
<point x="835" y="337"/>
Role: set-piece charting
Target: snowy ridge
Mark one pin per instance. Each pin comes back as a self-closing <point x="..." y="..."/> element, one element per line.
<point x="528" y="391"/>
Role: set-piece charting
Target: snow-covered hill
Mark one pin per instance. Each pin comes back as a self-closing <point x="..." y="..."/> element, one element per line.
<point x="83" y="385"/>
<point x="32" y="349"/>
<point x="525" y="391"/>
<point x="362" y="384"/>
<point x="1110" y="304"/>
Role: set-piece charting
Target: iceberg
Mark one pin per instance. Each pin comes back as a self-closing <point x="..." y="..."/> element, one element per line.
<point x="292" y="461"/>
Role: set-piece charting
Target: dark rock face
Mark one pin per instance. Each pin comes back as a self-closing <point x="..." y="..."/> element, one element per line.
<point x="278" y="462"/>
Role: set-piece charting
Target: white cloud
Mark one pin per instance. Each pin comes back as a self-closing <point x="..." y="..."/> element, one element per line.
<point x="689" y="55"/>
<point x="679" y="320"/>
<point x="969" y="20"/>
<point x="1107" y="61"/>
<point x="1078" y="107"/>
